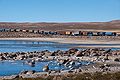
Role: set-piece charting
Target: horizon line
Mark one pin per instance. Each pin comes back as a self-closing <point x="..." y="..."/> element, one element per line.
<point x="53" y="21"/>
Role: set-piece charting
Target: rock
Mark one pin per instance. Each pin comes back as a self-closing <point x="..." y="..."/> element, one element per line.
<point x="72" y="50"/>
<point x="38" y="59"/>
<point x="106" y="57"/>
<point x="57" y="78"/>
<point x="2" y="58"/>
<point x="31" y="72"/>
<point x="95" y="54"/>
<point x="107" y="65"/>
<point x="23" y="72"/>
<point x="16" y="76"/>
<point x="59" y="52"/>
<point x="117" y="59"/>
<point x="47" y="53"/>
<point x="46" y="68"/>
<point x="27" y="72"/>
<point x="31" y="56"/>
<point x="70" y="71"/>
<point x="20" y="57"/>
<point x="102" y="66"/>
<point x="79" y="54"/>
<point x="107" y="51"/>
<point x="65" y="61"/>
<point x="31" y="63"/>
<point x="12" y="77"/>
<point x="53" y="54"/>
<point x="79" y="70"/>
<point x="72" y="63"/>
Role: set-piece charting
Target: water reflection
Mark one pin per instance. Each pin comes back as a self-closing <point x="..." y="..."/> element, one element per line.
<point x="19" y="45"/>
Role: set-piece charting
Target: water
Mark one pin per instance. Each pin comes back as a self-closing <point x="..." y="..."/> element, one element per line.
<point x="15" y="67"/>
<point x="16" y="45"/>
<point x="11" y="68"/>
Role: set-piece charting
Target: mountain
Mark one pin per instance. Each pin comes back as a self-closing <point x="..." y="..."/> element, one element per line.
<point x="111" y="25"/>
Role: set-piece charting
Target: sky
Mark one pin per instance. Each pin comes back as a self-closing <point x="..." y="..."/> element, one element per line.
<point x="59" y="10"/>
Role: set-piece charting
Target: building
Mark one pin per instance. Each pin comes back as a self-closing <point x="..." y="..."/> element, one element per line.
<point x="114" y="33"/>
<point x="18" y="30"/>
<point x="6" y="30"/>
<point x="94" y="33"/>
<point x="89" y="33"/>
<point x="118" y="33"/>
<point x="101" y="33"/>
<point x="30" y="31"/>
<point x="41" y="32"/>
<point x="110" y="34"/>
<point x="65" y="32"/>
<point x="75" y="33"/>
<point x="24" y="30"/>
<point x="35" y="31"/>
<point x="80" y="33"/>
<point x="53" y="33"/>
<point x="68" y="33"/>
<point x="2" y="30"/>
<point x="84" y="33"/>
<point x="12" y="30"/>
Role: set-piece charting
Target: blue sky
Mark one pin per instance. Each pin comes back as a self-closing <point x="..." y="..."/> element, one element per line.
<point x="59" y="10"/>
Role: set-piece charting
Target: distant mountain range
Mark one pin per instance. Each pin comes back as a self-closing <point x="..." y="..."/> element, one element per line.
<point x="111" y="25"/>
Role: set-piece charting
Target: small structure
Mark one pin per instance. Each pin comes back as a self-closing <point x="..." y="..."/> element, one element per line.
<point x="80" y="33"/>
<point x="2" y="30"/>
<point x="84" y="33"/>
<point x="52" y="33"/>
<point x="41" y="32"/>
<point x="61" y="32"/>
<point x="101" y="33"/>
<point x="6" y="30"/>
<point x="114" y="33"/>
<point x="118" y="33"/>
<point x="18" y="30"/>
<point x="94" y="33"/>
<point x="24" y="30"/>
<point x="30" y="31"/>
<point x="12" y="30"/>
<point x="76" y="33"/>
<point x="65" y="32"/>
<point x="68" y="33"/>
<point x="35" y="31"/>
<point x="46" y="32"/>
<point x="89" y="33"/>
<point x="110" y="34"/>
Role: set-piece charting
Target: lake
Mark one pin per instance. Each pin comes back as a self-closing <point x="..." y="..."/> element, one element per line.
<point x="25" y="46"/>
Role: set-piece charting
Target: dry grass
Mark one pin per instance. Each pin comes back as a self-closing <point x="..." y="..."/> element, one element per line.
<point x="84" y="76"/>
<point x="112" y="25"/>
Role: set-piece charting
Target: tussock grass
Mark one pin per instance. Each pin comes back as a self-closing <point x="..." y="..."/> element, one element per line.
<point x="83" y="76"/>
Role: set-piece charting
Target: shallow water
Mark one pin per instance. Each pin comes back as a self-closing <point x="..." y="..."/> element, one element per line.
<point x="15" y="67"/>
<point x="19" y="45"/>
<point x="15" y="46"/>
<point x="11" y="67"/>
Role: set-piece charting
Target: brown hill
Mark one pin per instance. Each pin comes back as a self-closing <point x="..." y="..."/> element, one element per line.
<point x="112" y="25"/>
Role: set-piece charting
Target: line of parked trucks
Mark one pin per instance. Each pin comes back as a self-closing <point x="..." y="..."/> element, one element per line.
<point x="69" y="33"/>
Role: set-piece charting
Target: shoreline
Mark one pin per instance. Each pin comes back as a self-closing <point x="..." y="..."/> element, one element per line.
<point x="102" y="63"/>
<point x="104" y="43"/>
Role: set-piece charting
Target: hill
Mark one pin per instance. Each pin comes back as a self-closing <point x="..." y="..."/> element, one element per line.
<point x="111" y="25"/>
